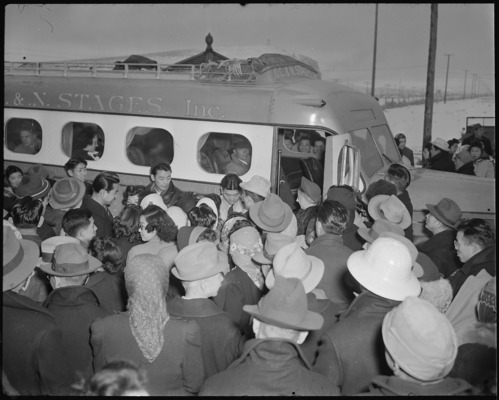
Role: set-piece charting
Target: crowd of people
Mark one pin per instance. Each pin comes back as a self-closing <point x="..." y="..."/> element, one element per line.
<point x="473" y="154"/>
<point x="240" y="293"/>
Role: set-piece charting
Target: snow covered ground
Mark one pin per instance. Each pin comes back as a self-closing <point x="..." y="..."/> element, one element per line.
<point x="448" y="119"/>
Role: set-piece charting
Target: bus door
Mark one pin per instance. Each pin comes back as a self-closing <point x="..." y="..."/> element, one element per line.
<point x="342" y="163"/>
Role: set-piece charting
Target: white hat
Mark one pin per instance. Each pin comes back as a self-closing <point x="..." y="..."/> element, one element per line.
<point x="178" y="216"/>
<point x="153" y="198"/>
<point x="385" y="269"/>
<point x="210" y="203"/>
<point x="441" y="144"/>
<point x="391" y="208"/>
<point x="257" y="184"/>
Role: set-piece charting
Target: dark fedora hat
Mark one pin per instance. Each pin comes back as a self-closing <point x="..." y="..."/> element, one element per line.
<point x="34" y="186"/>
<point x="286" y="306"/>
<point x="66" y="193"/>
<point x="71" y="259"/>
<point x="271" y="214"/>
<point x="446" y="211"/>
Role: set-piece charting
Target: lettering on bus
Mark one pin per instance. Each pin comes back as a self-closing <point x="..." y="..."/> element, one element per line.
<point x="202" y="111"/>
<point x="92" y="102"/>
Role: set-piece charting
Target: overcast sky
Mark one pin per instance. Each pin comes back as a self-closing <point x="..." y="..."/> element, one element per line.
<point x="338" y="36"/>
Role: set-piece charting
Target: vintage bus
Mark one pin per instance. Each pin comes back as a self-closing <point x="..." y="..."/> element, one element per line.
<point x="192" y="115"/>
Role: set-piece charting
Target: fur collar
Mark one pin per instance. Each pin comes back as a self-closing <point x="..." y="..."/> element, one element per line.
<point x="479" y="332"/>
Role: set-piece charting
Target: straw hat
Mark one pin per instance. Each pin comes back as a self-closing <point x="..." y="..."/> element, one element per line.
<point x="416" y="267"/>
<point x="390" y="208"/>
<point x="379" y="226"/>
<point x="48" y="246"/>
<point x="441" y="144"/>
<point x="292" y="262"/>
<point x="153" y="198"/>
<point x="257" y="184"/>
<point x="273" y="242"/>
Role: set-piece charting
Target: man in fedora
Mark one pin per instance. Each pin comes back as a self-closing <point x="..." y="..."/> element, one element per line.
<point x="292" y="262"/>
<point x="273" y="363"/>
<point x="442" y="220"/>
<point x="271" y="214"/>
<point x="201" y="267"/>
<point x="352" y="353"/>
<point x="73" y="305"/>
<point x="440" y="156"/>
<point x="389" y="208"/>
<point x="67" y="193"/>
<point x="33" y="359"/>
<point x="332" y="219"/>
<point x="255" y="190"/>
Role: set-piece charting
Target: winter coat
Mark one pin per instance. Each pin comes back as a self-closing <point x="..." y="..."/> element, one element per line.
<point x="395" y="386"/>
<point x="236" y="291"/>
<point x="221" y="341"/>
<point x="406" y="200"/>
<point x="467" y="169"/>
<point x="75" y="308"/>
<point x="330" y="312"/>
<point x="407" y="152"/>
<point x="33" y="359"/>
<point x="442" y="162"/>
<point x="484" y="168"/>
<point x="110" y="290"/>
<point x="476" y="360"/>
<point x="330" y="249"/>
<point x="440" y="248"/>
<point x="176" y="371"/>
<point x="352" y="352"/>
<point x="269" y="367"/>
<point x="483" y="260"/>
<point x="103" y="218"/>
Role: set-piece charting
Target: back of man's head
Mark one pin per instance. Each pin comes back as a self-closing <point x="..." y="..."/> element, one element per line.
<point x="26" y="212"/>
<point x="477" y="231"/>
<point x="74" y="220"/>
<point x="333" y="217"/>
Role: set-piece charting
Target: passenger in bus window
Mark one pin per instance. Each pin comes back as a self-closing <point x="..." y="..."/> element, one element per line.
<point x="304" y="145"/>
<point x="319" y="148"/>
<point x="77" y="168"/>
<point x="240" y="158"/>
<point x="85" y="145"/>
<point x="30" y="143"/>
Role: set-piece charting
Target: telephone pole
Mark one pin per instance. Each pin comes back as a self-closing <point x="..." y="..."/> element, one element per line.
<point x="374" y="55"/>
<point x="464" y="91"/>
<point x="447" y="76"/>
<point x="430" y="78"/>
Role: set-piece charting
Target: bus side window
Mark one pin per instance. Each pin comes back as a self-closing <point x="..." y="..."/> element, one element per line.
<point x="23" y="135"/>
<point x="83" y="140"/>
<point x="149" y="146"/>
<point x="223" y="153"/>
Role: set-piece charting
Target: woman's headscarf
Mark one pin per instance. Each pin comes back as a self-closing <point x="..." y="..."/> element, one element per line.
<point x="147" y="279"/>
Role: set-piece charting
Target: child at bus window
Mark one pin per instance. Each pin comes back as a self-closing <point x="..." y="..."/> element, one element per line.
<point x="30" y="144"/>
<point x="77" y="168"/>
<point x="86" y="143"/>
<point x="133" y="194"/>
<point x="240" y="158"/>
<point x="484" y="167"/>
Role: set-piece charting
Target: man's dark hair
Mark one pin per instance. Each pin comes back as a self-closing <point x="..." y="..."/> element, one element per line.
<point x="400" y="176"/>
<point x="231" y="182"/>
<point x="73" y="163"/>
<point x="26" y="212"/>
<point x="202" y="215"/>
<point x="163" y="166"/>
<point x="105" y="180"/>
<point x="76" y="219"/>
<point x="333" y="216"/>
<point x="477" y="231"/>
